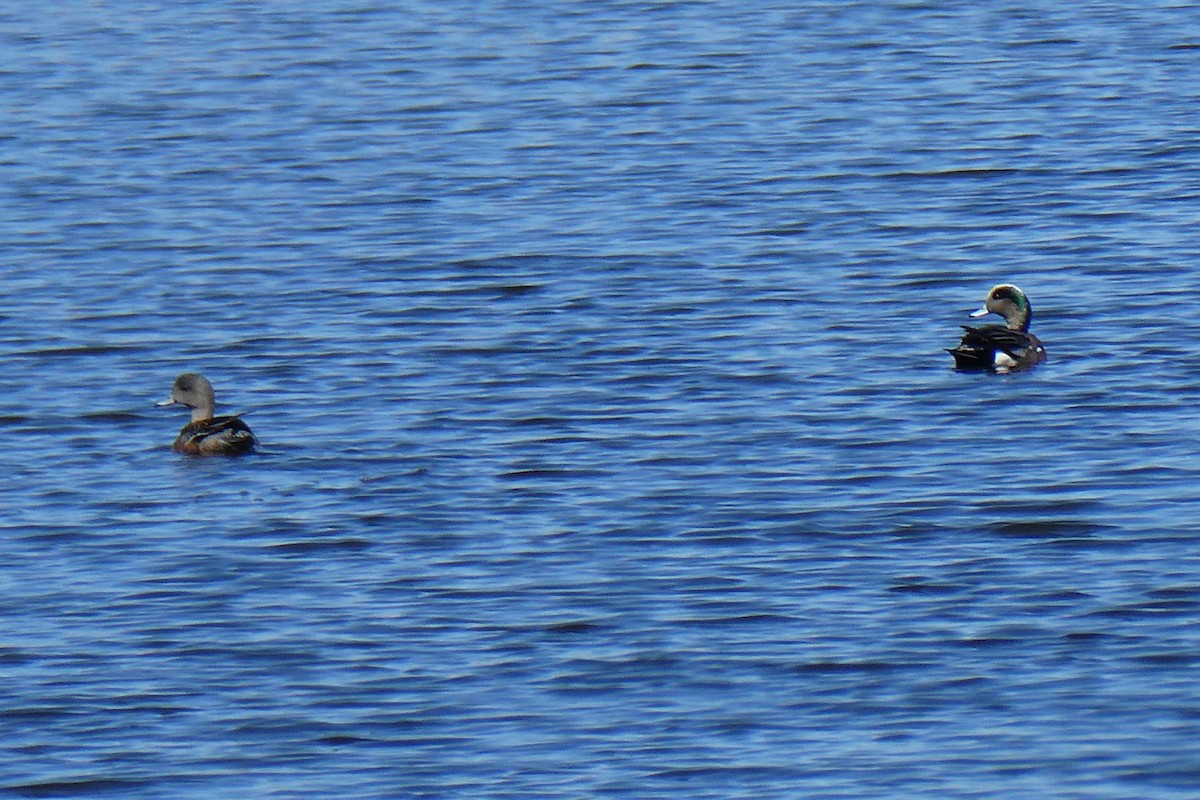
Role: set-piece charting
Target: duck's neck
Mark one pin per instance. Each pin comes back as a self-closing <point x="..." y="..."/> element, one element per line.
<point x="1018" y="317"/>
<point x="202" y="413"/>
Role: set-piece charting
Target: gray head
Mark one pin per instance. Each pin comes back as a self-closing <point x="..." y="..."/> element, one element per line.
<point x="1009" y="302"/>
<point x="194" y="391"/>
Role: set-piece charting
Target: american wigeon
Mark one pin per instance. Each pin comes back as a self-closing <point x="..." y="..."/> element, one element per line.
<point x="1000" y="348"/>
<point x="206" y="435"/>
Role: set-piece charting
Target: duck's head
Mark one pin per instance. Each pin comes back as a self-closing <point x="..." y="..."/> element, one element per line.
<point x="193" y="390"/>
<point x="1009" y="302"/>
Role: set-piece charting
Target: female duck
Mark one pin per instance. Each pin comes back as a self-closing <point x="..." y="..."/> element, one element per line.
<point x="1001" y="348"/>
<point x="206" y="435"/>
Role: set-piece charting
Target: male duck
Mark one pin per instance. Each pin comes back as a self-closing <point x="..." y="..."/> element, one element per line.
<point x="206" y="435"/>
<point x="1000" y="348"/>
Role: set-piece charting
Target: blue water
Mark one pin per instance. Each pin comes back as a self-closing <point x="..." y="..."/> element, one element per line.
<point x="608" y="444"/>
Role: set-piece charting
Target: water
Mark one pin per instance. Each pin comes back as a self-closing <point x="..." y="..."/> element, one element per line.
<point x="608" y="444"/>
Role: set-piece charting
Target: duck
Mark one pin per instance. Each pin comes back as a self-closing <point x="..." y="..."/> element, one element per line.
<point x="1000" y="348"/>
<point x="206" y="435"/>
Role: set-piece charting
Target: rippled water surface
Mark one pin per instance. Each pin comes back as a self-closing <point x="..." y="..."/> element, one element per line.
<point x="608" y="444"/>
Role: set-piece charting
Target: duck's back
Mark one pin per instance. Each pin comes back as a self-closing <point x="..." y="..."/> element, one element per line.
<point x="219" y="436"/>
<point x="997" y="347"/>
